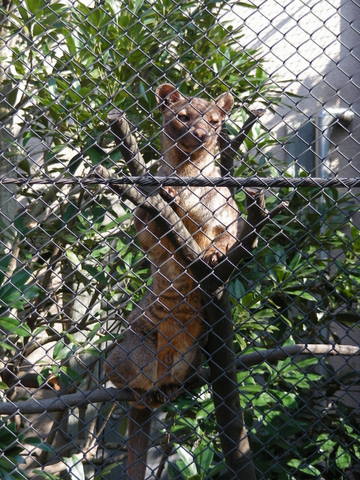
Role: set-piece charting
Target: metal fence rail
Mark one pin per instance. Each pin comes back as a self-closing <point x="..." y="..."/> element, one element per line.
<point x="179" y="248"/>
<point x="228" y="181"/>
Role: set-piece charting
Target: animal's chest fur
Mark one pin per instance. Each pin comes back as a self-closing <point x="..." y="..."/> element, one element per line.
<point x="201" y="204"/>
<point x="207" y="212"/>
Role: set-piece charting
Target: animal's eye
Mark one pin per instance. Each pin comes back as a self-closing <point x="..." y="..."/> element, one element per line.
<point x="213" y="122"/>
<point x="183" y="118"/>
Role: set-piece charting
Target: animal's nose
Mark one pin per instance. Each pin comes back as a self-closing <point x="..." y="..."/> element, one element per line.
<point x="199" y="133"/>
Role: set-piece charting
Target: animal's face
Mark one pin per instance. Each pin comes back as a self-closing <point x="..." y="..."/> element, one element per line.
<point x="192" y="123"/>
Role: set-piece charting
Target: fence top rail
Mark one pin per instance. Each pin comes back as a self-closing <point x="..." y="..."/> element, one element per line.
<point x="227" y="181"/>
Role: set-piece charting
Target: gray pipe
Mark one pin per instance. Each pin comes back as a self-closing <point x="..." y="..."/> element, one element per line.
<point x="324" y="122"/>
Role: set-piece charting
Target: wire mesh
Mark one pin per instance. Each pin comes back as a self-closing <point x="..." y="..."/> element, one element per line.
<point x="179" y="220"/>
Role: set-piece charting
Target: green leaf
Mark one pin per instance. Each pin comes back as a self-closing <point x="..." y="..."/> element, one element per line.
<point x="35" y="5"/>
<point x="280" y="271"/>
<point x="20" y="278"/>
<point x="186" y="462"/>
<point x="9" y="323"/>
<point x="326" y="444"/>
<point x="295" y="261"/>
<point x="61" y="350"/>
<point x="96" y="154"/>
<point x="14" y="326"/>
<point x="204" y="455"/>
<point x="246" y="5"/>
<point x="24" y="165"/>
<point x="46" y="475"/>
<point x="302" y="294"/>
<point x="24" y="14"/>
<point x="237" y="289"/>
<point x="309" y="469"/>
<point x="73" y="258"/>
<point x="6" y="347"/>
<point x="37" y="442"/>
<point x="106" y="470"/>
<point x="343" y="458"/>
<point x="174" y="471"/>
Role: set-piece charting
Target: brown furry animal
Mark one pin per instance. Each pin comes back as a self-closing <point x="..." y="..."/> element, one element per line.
<point x="161" y="345"/>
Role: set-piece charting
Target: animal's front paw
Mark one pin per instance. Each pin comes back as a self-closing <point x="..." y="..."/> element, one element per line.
<point x="164" y="394"/>
<point x="213" y="256"/>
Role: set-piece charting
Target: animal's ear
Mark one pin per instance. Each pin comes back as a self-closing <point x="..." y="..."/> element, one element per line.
<point x="225" y="102"/>
<point x="166" y="95"/>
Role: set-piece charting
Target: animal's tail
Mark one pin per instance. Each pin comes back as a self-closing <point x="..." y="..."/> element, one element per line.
<point x="138" y="442"/>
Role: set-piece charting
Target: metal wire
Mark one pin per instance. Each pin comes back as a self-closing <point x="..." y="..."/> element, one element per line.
<point x="134" y="255"/>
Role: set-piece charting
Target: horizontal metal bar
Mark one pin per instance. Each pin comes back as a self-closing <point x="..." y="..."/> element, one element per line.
<point x="149" y="180"/>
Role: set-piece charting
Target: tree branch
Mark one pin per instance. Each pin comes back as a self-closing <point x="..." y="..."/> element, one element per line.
<point x="253" y="117"/>
<point x="229" y="148"/>
<point x="126" y="142"/>
<point x="62" y="402"/>
<point x="88" y="457"/>
<point x="272" y="355"/>
<point x="169" y="220"/>
<point x="229" y="414"/>
<point x="81" y="398"/>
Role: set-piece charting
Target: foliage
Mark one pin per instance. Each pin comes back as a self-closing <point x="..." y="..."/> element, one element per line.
<point x="11" y="446"/>
<point x="308" y="277"/>
<point x="300" y="426"/>
<point x="96" y="58"/>
<point x="77" y="269"/>
<point x="298" y="429"/>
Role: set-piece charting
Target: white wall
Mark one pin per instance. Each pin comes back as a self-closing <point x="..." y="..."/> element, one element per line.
<point x="314" y="46"/>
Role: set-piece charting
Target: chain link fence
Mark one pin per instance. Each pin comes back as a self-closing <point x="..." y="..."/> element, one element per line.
<point x="179" y="219"/>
